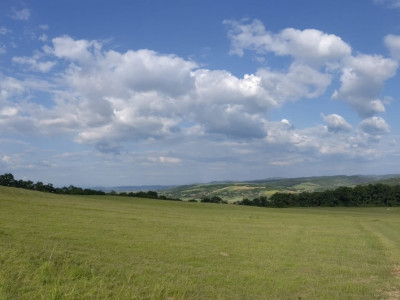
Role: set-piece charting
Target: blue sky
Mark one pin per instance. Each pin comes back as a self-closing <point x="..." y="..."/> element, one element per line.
<point x="176" y="92"/>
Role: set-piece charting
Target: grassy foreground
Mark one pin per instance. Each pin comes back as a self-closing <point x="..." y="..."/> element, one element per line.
<point x="68" y="247"/>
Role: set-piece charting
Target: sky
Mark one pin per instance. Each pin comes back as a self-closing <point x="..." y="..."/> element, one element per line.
<point x="172" y="92"/>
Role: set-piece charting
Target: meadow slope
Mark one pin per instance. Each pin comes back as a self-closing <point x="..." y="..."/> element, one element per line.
<point x="103" y="247"/>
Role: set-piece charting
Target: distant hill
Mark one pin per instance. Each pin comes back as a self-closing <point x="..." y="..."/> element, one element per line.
<point x="391" y="181"/>
<point x="234" y="191"/>
<point x="132" y="188"/>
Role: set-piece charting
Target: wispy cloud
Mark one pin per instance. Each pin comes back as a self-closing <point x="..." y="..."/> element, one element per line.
<point x="22" y="14"/>
<point x="388" y="3"/>
<point x="34" y="63"/>
<point x="392" y="42"/>
<point x="4" y="30"/>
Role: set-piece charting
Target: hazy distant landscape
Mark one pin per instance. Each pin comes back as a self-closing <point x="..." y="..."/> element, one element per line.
<point x="235" y="191"/>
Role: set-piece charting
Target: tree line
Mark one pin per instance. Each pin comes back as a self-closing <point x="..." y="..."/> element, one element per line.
<point x="362" y="195"/>
<point x="142" y="194"/>
<point x="213" y="199"/>
<point x="9" y="180"/>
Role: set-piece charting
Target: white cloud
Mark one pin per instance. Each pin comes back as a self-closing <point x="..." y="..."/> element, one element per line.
<point x="42" y="37"/>
<point x="34" y="64"/>
<point x="23" y="14"/>
<point x="118" y="97"/>
<point x="116" y="74"/>
<point x="312" y="51"/>
<point x="388" y="3"/>
<point x="9" y="87"/>
<point x="286" y="122"/>
<point x="221" y="88"/>
<point x="113" y="97"/>
<point x="374" y="126"/>
<point x="300" y="81"/>
<point x="233" y="122"/>
<point x="318" y="142"/>
<point x="7" y="159"/>
<point x="392" y="42"/>
<point x="146" y="100"/>
<point x="76" y="50"/>
<point x="19" y="113"/>
<point x="8" y="111"/>
<point x="362" y="81"/>
<point x="286" y="162"/>
<point x="336" y="123"/>
<point x="226" y="104"/>
<point x="283" y="133"/>
<point x="165" y="160"/>
<point x="309" y="45"/>
<point x="4" y="30"/>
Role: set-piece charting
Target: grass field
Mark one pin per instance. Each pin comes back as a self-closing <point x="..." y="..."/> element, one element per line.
<point x="70" y="247"/>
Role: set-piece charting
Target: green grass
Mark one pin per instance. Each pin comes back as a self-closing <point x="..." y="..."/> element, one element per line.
<point x="66" y="247"/>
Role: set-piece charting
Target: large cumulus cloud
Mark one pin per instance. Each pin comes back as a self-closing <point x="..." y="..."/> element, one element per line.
<point x="362" y="76"/>
<point x="310" y="45"/>
<point x="362" y="81"/>
<point x="184" y="113"/>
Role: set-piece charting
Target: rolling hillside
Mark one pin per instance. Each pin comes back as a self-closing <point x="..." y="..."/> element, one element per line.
<point x="234" y="191"/>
